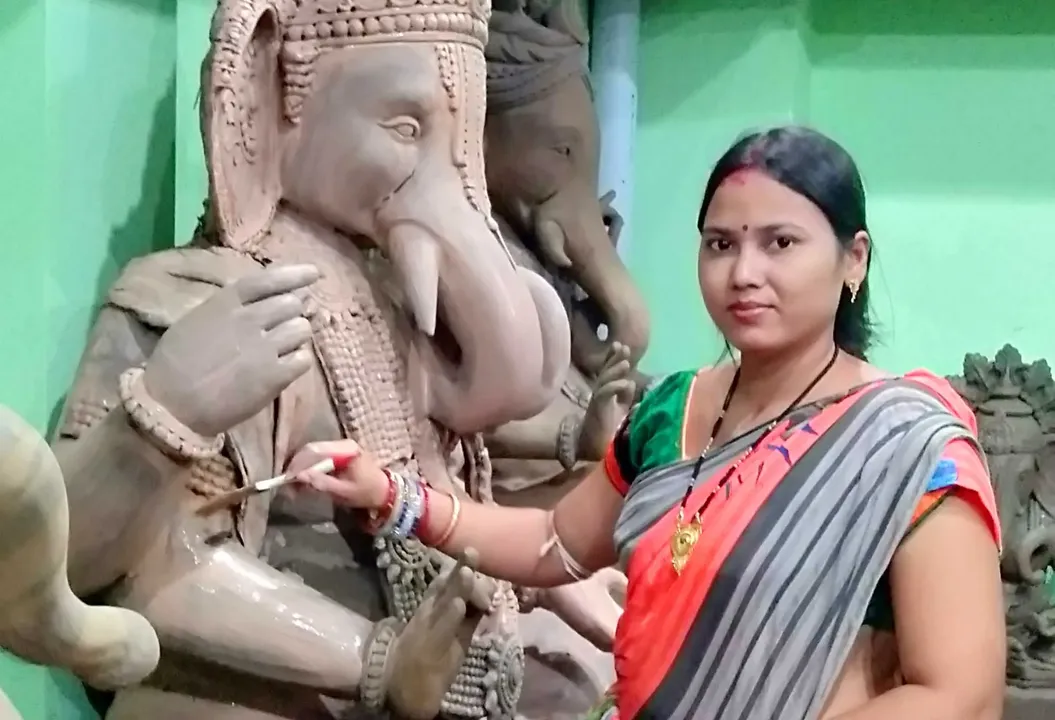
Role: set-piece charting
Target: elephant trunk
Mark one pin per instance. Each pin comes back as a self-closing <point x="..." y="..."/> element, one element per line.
<point x="513" y="342"/>
<point x="40" y="618"/>
<point x="572" y="235"/>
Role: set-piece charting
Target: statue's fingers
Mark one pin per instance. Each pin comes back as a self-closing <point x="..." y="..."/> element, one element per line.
<point x="470" y="558"/>
<point x="617" y="352"/>
<point x="611" y="373"/>
<point x="624" y="391"/>
<point x="276" y="280"/>
<point x="446" y="622"/>
<point x="463" y="582"/>
<point x="483" y="593"/>
<point x="615" y="225"/>
<point x="457" y="583"/>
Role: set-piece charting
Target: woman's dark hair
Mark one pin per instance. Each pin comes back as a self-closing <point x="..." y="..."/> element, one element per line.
<point x="818" y="168"/>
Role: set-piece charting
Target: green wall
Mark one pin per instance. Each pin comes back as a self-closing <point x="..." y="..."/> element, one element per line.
<point x="88" y="178"/>
<point x="947" y="106"/>
<point x="945" y="103"/>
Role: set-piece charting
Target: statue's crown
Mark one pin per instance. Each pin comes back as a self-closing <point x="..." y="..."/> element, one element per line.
<point x="343" y="22"/>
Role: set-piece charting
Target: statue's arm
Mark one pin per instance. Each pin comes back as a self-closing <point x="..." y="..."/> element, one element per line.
<point x="123" y="489"/>
<point x="114" y="476"/>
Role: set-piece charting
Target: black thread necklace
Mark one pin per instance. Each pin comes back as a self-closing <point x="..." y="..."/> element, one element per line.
<point x="687" y="534"/>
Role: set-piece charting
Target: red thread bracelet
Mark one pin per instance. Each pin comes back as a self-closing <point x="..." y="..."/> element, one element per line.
<point x="377" y="517"/>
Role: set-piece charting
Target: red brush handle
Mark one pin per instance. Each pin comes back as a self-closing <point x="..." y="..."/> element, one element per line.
<point x="341" y="461"/>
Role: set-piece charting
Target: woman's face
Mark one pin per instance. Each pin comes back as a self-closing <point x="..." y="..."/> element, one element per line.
<point x="771" y="270"/>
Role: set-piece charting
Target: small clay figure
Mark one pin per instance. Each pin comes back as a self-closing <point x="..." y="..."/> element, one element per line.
<point x="41" y="620"/>
<point x="1015" y="406"/>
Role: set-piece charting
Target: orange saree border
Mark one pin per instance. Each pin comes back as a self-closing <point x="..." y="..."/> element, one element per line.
<point x="973" y="484"/>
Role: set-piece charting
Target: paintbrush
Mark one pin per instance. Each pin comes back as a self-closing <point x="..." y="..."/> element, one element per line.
<point x="237" y="497"/>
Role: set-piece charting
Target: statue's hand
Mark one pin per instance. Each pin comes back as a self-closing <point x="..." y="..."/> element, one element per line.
<point x="226" y="359"/>
<point x="612" y="395"/>
<point x="613" y="221"/>
<point x="428" y="653"/>
<point x="591" y="607"/>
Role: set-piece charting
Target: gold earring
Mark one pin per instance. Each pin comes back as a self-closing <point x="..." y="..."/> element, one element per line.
<point x="852" y="287"/>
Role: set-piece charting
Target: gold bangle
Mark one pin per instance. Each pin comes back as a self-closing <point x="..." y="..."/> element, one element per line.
<point x="456" y="510"/>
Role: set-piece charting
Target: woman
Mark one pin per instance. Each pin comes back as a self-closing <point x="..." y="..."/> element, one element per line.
<point x="777" y="516"/>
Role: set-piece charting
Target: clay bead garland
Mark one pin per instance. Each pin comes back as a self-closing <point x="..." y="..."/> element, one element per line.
<point x="166" y="432"/>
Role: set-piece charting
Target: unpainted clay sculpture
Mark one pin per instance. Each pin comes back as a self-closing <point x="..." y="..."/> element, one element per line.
<point x="541" y="156"/>
<point x="1015" y="406"/>
<point x="347" y="280"/>
<point x="41" y="620"/>
<point x="542" y="153"/>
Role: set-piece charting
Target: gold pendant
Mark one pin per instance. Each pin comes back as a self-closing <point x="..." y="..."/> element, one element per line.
<point x="683" y="541"/>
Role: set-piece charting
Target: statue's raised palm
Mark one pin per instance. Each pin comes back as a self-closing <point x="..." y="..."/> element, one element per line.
<point x="426" y="655"/>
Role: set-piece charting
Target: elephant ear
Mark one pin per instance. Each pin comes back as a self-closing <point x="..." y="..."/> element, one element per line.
<point x="241" y="118"/>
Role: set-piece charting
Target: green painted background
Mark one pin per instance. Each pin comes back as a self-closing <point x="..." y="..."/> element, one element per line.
<point x="948" y="107"/>
<point x="87" y="174"/>
<point x="946" y="104"/>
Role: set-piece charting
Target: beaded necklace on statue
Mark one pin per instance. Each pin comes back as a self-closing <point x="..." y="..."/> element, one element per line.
<point x="686" y="534"/>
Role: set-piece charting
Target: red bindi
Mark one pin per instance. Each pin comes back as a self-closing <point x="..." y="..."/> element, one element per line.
<point x="738" y="177"/>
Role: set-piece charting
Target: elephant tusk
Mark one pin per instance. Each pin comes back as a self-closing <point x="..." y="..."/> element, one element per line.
<point x="416" y="255"/>
<point x="551" y="239"/>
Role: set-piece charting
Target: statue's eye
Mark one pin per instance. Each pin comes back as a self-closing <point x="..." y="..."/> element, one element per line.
<point x="405" y="128"/>
<point x="564" y="150"/>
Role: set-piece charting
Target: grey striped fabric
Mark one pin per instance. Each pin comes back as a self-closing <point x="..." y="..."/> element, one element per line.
<point x="795" y="598"/>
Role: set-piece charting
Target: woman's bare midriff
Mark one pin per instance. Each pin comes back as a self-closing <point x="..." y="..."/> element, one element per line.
<point x="871" y="670"/>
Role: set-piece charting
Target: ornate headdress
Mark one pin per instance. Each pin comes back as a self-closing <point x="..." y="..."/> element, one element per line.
<point x="315" y="26"/>
<point x="528" y="58"/>
<point x="245" y="94"/>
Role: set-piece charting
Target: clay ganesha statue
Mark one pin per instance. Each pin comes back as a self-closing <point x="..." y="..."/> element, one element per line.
<point x="541" y="157"/>
<point x="542" y="149"/>
<point x="348" y="229"/>
<point x="40" y="618"/>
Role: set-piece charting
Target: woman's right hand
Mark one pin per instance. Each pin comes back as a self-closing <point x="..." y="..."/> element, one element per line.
<point x="226" y="359"/>
<point x="362" y="485"/>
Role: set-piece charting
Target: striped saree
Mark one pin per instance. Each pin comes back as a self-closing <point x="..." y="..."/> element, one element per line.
<point x="793" y="553"/>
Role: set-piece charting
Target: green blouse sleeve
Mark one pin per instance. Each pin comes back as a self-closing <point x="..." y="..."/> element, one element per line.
<point x="650" y="436"/>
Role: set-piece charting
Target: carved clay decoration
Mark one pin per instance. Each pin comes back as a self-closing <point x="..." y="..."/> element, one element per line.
<point x="41" y="620"/>
<point x="1015" y="406"/>
<point x="346" y="136"/>
<point x="542" y="150"/>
